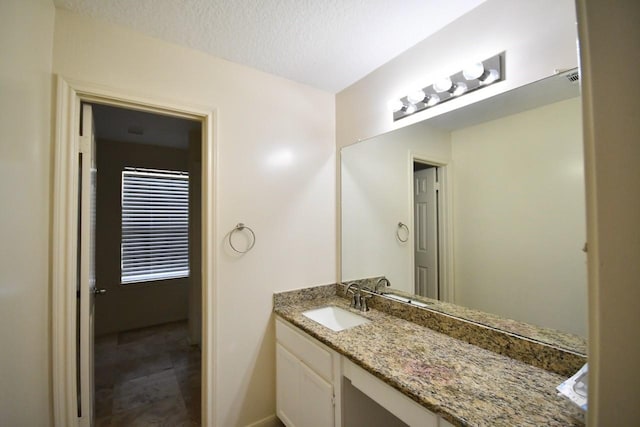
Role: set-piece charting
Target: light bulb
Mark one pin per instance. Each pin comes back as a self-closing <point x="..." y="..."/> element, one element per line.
<point x="491" y="77"/>
<point x="433" y="100"/>
<point x="473" y="71"/>
<point x="411" y="108"/>
<point x="442" y="85"/>
<point x="395" y="105"/>
<point x="416" y="96"/>
<point x="459" y="88"/>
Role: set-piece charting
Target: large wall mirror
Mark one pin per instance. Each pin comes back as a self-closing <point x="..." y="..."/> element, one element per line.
<point x="482" y="207"/>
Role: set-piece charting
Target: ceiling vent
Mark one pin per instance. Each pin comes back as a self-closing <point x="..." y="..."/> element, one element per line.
<point x="573" y="77"/>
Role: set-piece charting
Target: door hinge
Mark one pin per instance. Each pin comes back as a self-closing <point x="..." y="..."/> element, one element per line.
<point x="333" y="400"/>
<point x="436" y="186"/>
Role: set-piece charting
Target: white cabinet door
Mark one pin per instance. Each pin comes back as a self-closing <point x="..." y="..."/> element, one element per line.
<point x="287" y="386"/>
<point x="303" y="398"/>
<point x="316" y="397"/>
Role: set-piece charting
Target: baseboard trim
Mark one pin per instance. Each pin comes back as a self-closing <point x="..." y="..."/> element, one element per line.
<point x="270" y="421"/>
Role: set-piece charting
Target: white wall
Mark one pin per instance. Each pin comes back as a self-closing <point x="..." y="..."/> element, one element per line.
<point x="376" y="195"/>
<point x="519" y="217"/>
<point x="276" y="173"/>
<point x="538" y="37"/>
<point x="610" y="40"/>
<point x="26" y="30"/>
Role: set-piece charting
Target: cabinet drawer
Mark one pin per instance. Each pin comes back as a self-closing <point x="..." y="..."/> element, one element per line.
<point x="312" y="353"/>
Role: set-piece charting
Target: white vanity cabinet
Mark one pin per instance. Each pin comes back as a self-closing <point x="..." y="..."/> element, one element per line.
<point x="307" y="380"/>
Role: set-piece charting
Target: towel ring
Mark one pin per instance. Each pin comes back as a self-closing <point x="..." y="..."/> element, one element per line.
<point x="400" y="227"/>
<point x="239" y="227"/>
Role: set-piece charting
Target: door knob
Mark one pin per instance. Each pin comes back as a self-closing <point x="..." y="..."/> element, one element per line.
<point x="101" y="291"/>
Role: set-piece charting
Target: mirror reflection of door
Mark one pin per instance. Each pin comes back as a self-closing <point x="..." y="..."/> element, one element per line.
<point x="425" y="218"/>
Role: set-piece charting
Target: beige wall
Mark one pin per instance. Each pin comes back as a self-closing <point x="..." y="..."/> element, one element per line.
<point x="610" y="41"/>
<point x="26" y="31"/>
<point x="519" y="217"/>
<point x="275" y="172"/>
<point x="132" y="306"/>
<point x="538" y="37"/>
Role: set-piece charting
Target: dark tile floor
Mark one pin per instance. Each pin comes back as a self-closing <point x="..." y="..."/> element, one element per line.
<point x="147" y="377"/>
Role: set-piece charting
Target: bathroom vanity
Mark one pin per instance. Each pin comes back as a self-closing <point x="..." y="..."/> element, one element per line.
<point x="391" y="371"/>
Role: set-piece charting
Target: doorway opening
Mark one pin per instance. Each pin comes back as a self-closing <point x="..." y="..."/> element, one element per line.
<point x="72" y="240"/>
<point x="426" y="225"/>
<point x="147" y="357"/>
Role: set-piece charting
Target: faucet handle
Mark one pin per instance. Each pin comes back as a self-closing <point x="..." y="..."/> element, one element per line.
<point x="364" y="305"/>
<point x="355" y="298"/>
<point x="357" y="301"/>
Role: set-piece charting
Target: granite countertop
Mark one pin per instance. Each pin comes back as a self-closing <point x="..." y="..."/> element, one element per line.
<point x="465" y="384"/>
<point x="552" y="337"/>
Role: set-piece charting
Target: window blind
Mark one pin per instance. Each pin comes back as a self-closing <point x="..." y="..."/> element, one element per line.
<point x="155" y="225"/>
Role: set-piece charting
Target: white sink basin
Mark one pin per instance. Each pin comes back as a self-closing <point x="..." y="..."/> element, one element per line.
<point x="335" y="318"/>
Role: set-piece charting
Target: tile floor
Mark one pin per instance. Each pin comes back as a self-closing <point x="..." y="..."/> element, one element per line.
<point x="147" y="377"/>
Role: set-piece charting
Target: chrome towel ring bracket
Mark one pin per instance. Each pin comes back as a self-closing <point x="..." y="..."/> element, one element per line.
<point x="239" y="228"/>
<point x="403" y="229"/>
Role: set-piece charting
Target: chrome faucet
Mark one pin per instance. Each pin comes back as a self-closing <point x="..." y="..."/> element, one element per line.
<point x="358" y="301"/>
<point x="382" y="282"/>
<point x="356" y="298"/>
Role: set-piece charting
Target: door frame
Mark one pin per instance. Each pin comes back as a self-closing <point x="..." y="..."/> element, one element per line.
<point x="445" y="222"/>
<point x="64" y="256"/>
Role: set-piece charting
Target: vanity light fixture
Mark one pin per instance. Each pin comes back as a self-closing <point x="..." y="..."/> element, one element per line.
<point x="475" y="76"/>
<point x="473" y="71"/>
<point x="432" y="100"/>
<point x="489" y="76"/>
<point x="459" y="88"/>
<point x="416" y="96"/>
<point x="395" y="105"/>
<point x="443" y="84"/>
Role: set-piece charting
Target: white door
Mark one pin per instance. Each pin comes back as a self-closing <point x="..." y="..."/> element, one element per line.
<point x="87" y="277"/>
<point x="426" y="232"/>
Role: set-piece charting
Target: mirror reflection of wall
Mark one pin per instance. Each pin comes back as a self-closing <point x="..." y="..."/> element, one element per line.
<point x="515" y="209"/>
<point x="519" y="222"/>
<point x="376" y="193"/>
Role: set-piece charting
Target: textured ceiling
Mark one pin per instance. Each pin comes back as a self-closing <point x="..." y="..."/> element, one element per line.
<point x="328" y="44"/>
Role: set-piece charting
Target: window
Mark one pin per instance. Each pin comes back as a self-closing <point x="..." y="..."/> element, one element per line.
<point x="155" y="225"/>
